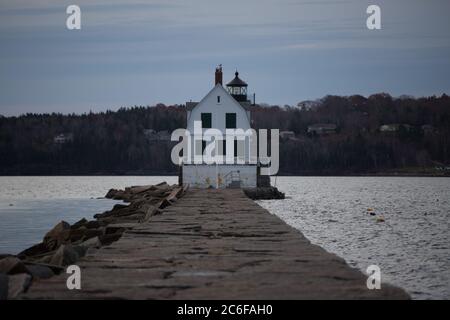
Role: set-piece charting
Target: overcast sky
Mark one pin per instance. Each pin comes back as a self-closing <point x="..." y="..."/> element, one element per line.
<point x="131" y="52"/>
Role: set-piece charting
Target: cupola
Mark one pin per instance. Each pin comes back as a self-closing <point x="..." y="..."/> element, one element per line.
<point x="237" y="88"/>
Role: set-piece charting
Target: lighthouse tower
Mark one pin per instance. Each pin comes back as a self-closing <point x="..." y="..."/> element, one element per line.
<point x="237" y="88"/>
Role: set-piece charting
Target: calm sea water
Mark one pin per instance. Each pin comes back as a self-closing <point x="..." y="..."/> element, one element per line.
<point x="30" y="206"/>
<point x="412" y="246"/>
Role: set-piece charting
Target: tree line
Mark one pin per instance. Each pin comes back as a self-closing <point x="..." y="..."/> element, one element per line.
<point x="115" y="142"/>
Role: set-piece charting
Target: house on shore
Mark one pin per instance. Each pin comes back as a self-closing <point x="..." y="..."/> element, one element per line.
<point x="63" y="138"/>
<point x="287" y="135"/>
<point x="322" y="128"/>
<point x="395" y="127"/>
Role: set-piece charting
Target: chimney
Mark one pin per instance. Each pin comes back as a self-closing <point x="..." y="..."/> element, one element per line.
<point x="219" y="74"/>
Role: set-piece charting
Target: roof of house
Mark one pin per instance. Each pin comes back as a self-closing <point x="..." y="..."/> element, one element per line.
<point x="191" y="105"/>
<point x="245" y="104"/>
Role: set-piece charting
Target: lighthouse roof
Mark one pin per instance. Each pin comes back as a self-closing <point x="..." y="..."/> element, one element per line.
<point x="237" y="82"/>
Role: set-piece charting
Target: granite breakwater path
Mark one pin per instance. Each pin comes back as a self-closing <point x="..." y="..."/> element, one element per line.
<point x="211" y="244"/>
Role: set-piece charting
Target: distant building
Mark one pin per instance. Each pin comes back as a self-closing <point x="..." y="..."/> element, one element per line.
<point x="322" y="128"/>
<point x="428" y="129"/>
<point x="395" y="127"/>
<point x="287" y="135"/>
<point x="63" y="138"/>
<point x="150" y="134"/>
<point x="389" y="127"/>
<point x="153" y="135"/>
<point x="163" y="135"/>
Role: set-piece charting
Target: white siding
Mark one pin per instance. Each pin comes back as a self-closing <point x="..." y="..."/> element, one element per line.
<point x="219" y="110"/>
<point x="203" y="175"/>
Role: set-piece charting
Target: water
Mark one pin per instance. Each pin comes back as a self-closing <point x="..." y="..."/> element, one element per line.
<point x="412" y="246"/>
<point x="30" y="206"/>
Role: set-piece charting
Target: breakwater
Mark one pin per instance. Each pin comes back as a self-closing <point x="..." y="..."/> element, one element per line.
<point x="202" y="244"/>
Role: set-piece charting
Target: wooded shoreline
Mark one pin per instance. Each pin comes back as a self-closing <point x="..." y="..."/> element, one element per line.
<point x="336" y="135"/>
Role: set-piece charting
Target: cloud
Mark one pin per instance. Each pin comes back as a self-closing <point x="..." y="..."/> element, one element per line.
<point x="130" y="50"/>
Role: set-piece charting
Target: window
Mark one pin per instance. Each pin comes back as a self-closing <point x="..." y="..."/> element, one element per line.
<point x="200" y="146"/>
<point x="206" y="120"/>
<point x="230" y="121"/>
<point x="203" y="146"/>
<point x="224" y="147"/>
<point x="218" y="99"/>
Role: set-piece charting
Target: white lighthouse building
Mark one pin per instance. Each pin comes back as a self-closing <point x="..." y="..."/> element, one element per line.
<point x="220" y="109"/>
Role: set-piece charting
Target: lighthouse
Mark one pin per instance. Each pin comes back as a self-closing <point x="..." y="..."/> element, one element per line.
<point x="222" y="109"/>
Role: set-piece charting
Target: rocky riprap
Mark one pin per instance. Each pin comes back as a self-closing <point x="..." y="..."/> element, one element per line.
<point x="64" y="244"/>
<point x="264" y="193"/>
